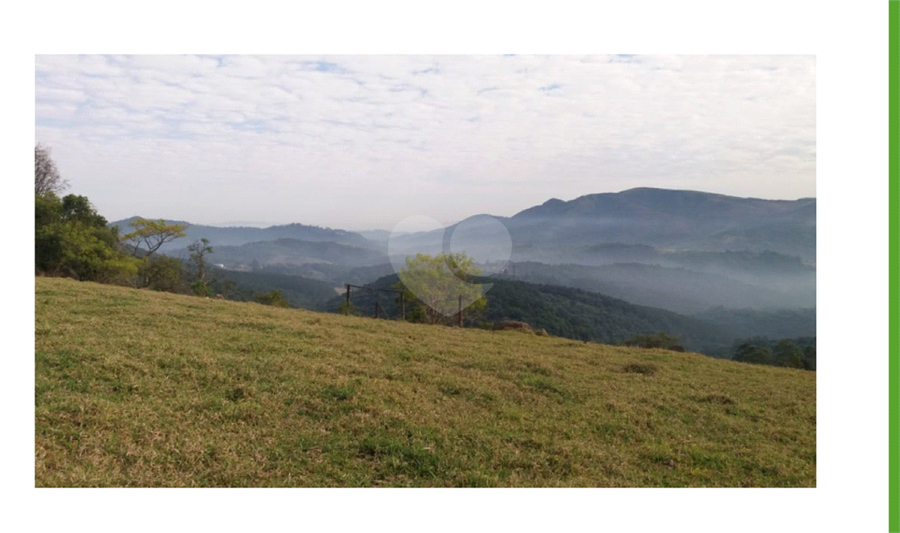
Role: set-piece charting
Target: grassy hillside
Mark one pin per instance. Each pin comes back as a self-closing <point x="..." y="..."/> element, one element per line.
<point x="137" y="388"/>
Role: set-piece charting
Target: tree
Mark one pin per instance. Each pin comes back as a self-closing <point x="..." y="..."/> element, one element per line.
<point x="439" y="284"/>
<point x="787" y="353"/>
<point x="72" y="239"/>
<point x="162" y="273"/>
<point x="655" y="340"/>
<point x="199" y="250"/>
<point x="274" y="297"/>
<point x="753" y="353"/>
<point x="46" y="177"/>
<point x="79" y="208"/>
<point x="152" y="234"/>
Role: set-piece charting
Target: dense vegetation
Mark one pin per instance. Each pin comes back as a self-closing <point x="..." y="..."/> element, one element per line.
<point x="298" y="291"/>
<point x="561" y="311"/>
<point x="774" y="323"/>
<point x="793" y="353"/>
<point x="145" y="388"/>
<point x="71" y="239"/>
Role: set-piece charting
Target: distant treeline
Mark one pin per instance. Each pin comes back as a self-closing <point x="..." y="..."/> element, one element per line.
<point x="793" y="353"/>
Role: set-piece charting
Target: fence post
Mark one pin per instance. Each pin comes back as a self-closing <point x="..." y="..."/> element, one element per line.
<point x="402" y="306"/>
<point x="347" y="312"/>
<point x="460" y="310"/>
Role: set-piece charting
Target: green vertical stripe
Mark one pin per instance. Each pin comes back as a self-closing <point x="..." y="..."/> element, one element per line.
<point x="894" y="266"/>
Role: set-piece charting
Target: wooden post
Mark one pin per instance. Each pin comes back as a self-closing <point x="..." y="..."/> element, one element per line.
<point x="460" y="310"/>
<point x="347" y="312"/>
<point x="402" y="306"/>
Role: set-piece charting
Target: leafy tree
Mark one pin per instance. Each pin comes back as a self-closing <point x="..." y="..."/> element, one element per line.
<point x="46" y="177"/>
<point x="437" y="283"/>
<point x="152" y="234"/>
<point x="799" y="352"/>
<point x="787" y="353"/>
<point x="199" y="250"/>
<point x="162" y="273"/>
<point x="72" y="239"/>
<point x="47" y="210"/>
<point x="754" y="353"/>
<point x="79" y="209"/>
<point x="274" y="297"/>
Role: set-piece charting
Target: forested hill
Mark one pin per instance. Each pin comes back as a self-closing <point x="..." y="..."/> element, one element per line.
<point x="562" y="311"/>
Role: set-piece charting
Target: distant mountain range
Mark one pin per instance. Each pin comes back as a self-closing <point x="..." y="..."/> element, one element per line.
<point x="237" y="236"/>
<point x="684" y="251"/>
<point x="668" y="220"/>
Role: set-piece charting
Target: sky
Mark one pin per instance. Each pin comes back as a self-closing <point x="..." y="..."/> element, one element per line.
<point x="364" y="141"/>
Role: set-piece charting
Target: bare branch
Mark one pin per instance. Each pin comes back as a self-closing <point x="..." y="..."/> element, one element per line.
<point x="46" y="177"/>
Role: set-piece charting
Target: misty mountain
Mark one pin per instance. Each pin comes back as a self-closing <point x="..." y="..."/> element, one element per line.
<point x="237" y="236"/>
<point x="675" y="288"/>
<point x="684" y="251"/>
<point x="679" y="220"/>
<point x="285" y="252"/>
<point x="600" y="228"/>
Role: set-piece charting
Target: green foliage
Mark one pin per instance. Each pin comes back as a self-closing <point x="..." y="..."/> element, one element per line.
<point x="152" y="234"/>
<point x="349" y="309"/>
<point x="199" y="288"/>
<point x="655" y="340"/>
<point x="274" y="297"/>
<point x="561" y="311"/>
<point x="47" y="210"/>
<point x="297" y="290"/>
<point x="437" y="284"/>
<point x="752" y="353"/>
<point x="792" y="353"/>
<point x="72" y="239"/>
<point x="162" y="273"/>
<point x="787" y="353"/>
<point x="79" y="209"/>
<point x="199" y="250"/>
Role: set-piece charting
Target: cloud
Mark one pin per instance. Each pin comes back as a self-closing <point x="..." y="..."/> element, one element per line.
<point x="445" y="136"/>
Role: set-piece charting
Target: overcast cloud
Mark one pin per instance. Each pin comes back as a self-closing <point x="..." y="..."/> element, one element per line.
<point x="362" y="142"/>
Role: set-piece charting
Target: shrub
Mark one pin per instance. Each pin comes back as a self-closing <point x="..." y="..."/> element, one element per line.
<point x="655" y="340"/>
<point x="274" y="297"/>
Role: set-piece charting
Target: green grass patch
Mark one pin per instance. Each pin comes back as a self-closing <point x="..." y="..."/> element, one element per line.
<point x="140" y="388"/>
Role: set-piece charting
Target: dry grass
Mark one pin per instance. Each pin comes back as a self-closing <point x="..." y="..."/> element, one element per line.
<point x="135" y="388"/>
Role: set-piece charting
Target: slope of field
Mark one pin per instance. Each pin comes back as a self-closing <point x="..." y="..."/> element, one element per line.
<point x="136" y="388"/>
